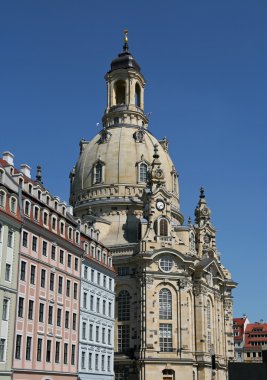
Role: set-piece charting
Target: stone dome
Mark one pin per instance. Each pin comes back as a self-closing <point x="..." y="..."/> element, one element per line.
<point x="120" y="155"/>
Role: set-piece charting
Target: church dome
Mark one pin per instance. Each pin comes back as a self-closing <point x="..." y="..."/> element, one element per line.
<point x="121" y="152"/>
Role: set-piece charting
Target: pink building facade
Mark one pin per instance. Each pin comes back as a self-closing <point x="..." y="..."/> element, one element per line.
<point x="47" y="316"/>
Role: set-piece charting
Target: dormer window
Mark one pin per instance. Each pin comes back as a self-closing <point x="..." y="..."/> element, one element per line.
<point x="99" y="172"/>
<point x="27" y="208"/>
<point x="70" y="233"/>
<point x="13" y="205"/>
<point x="120" y="92"/>
<point x="2" y="198"/>
<point x="1" y="175"/>
<point x="143" y="172"/>
<point x="39" y="194"/>
<point x="77" y="237"/>
<point x="62" y="227"/>
<point x="45" y="218"/>
<point x="36" y="213"/>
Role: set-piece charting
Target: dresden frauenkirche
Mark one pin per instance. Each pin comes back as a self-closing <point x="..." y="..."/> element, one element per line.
<point x="173" y="316"/>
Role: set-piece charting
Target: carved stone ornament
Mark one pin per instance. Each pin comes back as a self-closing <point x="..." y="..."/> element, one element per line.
<point x="104" y="136"/>
<point x="149" y="281"/>
<point x="139" y="135"/>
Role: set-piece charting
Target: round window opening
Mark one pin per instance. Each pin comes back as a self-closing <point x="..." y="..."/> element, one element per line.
<point x="166" y="264"/>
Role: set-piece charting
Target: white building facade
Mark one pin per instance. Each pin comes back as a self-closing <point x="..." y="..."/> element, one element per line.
<point x="96" y="347"/>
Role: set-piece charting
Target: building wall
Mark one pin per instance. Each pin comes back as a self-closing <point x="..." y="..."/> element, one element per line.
<point x="96" y="348"/>
<point x="9" y="248"/>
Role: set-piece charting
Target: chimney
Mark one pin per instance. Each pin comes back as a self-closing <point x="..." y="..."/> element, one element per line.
<point x="70" y="210"/>
<point x="26" y="170"/>
<point x="9" y="158"/>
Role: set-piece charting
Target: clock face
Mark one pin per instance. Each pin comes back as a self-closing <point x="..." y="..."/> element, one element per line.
<point x="160" y="205"/>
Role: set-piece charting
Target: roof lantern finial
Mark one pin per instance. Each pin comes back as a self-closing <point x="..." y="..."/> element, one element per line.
<point x="202" y="193"/>
<point x="125" y="46"/>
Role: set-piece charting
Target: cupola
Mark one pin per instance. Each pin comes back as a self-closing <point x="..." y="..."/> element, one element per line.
<point x="125" y="91"/>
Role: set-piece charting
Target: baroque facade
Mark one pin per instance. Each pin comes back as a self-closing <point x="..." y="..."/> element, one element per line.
<point x="173" y="315"/>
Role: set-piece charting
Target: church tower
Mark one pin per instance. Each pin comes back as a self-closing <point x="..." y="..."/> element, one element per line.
<point x="173" y="296"/>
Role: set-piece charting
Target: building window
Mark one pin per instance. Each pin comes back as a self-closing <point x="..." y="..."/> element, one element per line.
<point x="166" y="264"/>
<point x="123" y="271"/>
<point x="2" y="198"/>
<point x="32" y="277"/>
<point x="143" y="173"/>
<point x="123" y="338"/>
<point x="90" y="332"/>
<point x="28" y="347"/>
<point x="98" y="173"/>
<point x="39" y="349"/>
<point x="103" y="363"/>
<point x="10" y="238"/>
<point x="208" y="315"/>
<point x="83" y="360"/>
<point x="74" y="318"/>
<point x="68" y="288"/>
<point x="98" y="278"/>
<point x="109" y="366"/>
<point x="65" y="353"/>
<point x="13" y="204"/>
<point x="34" y="244"/>
<point x="43" y="276"/>
<point x="84" y="330"/>
<point x="85" y="272"/>
<point x="70" y="233"/>
<point x="90" y="361"/>
<point x="8" y="272"/>
<point x="23" y="271"/>
<point x="52" y="282"/>
<point x="109" y="309"/>
<point x="104" y="308"/>
<point x="75" y="291"/>
<point x="73" y="349"/>
<point x="165" y="337"/>
<point x="18" y="347"/>
<point x="53" y="252"/>
<point x="76" y="263"/>
<point x="124" y="306"/>
<point x="50" y="315"/>
<point x="67" y="318"/>
<point x="57" y="354"/>
<point x="44" y="248"/>
<point x="60" y="282"/>
<point x="45" y="217"/>
<point x="62" y="226"/>
<point x="69" y="260"/>
<point x="96" y="361"/>
<point x="48" y="351"/>
<point x="27" y="208"/>
<point x="120" y="92"/>
<point x="91" y="302"/>
<point x="21" y="307"/>
<point x="2" y="349"/>
<point x="36" y="213"/>
<point x="30" y="310"/>
<point x="85" y="300"/>
<point x="109" y="336"/>
<point x="103" y="335"/>
<point x="61" y="256"/>
<point x="97" y="334"/>
<point x="163" y="227"/>
<point x="137" y="96"/>
<point x="98" y="305"/>
<point x="192" y="242"/>
<point x="54" y="223"/>
<point x="5" y="309"/>
<point x="25" y="239"/>
<point x="165" y="304"/>
<point x="41" y="312"/>
<point x="59" y="313"/>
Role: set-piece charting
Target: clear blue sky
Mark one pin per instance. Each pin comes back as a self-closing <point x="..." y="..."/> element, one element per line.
<point x="205" y="63"/>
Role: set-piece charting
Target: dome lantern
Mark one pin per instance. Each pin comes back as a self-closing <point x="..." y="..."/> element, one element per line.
<point x="125" y="91"/>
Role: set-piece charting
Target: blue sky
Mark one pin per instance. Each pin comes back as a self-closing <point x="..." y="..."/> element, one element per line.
<point x="205" y="65"/>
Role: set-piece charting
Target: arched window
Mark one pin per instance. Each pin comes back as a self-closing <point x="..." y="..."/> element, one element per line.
<point x="2" y="198"/>
<point x="27" y="208"/>
<point x="163" y="227"/>
<point x="120" y="91"/>
<point x="98" y="173"/>
<point x="209" y="332"/>
<point x="143" y="172"/>
<point x="13" y="204"/>
<point x="137" y="95"/>
<point x="165" y="304"/>
<point x="124" y="306"/>
<point x="1" y="175"/>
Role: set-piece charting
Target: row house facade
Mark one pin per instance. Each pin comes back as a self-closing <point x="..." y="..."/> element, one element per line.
<point x="10" y="226"/>
<point x="97" y="312"/>
<point x="42" y="248"/>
